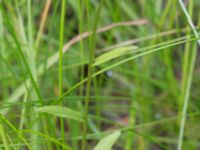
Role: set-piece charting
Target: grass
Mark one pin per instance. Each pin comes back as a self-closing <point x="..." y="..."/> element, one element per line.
<point x="82" y="74"/>
<point x="190" y="68"/>
<point x="60" y="70"/>
<point x="92" y="44"/>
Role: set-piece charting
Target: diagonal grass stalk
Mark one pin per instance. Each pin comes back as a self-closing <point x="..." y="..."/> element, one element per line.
<point x="42" y="24"/>
<point x="6" y="121"/>
<point x="3" y="137"/>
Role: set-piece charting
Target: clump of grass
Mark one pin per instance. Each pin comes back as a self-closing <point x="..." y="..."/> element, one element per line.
<point x="99" y="75"/>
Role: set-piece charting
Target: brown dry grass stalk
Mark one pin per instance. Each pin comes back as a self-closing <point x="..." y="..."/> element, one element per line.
<point x="42" y="22"/>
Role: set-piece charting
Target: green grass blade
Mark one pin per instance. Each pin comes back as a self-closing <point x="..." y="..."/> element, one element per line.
<point x="114" y="54"/>
<point x="191" y="24"/>
<point x="92" y="44"/>
<point x="60" y="64"/>
<point x="3" y="137"/>
<point x="107" y="142"/>
<point x="189" y="78"/>
<point x="22" y="55"/>
<point x="5" y="120"/>
<point x="63" y="112"/>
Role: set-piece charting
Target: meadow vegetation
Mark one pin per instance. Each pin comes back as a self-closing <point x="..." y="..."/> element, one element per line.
<point x="99" y="75"/>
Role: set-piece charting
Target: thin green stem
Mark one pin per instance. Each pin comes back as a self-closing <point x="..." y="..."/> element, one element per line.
<point x="90" y="72"/>
<point x="3" y="136"/>
<point x="191" y="24"/>
<point x="189" y="78"/>
<point x="81" y="16"/>
<point x="185" y="66"/>
<point x="6" y="121"/>
<point x="60" y="65"/>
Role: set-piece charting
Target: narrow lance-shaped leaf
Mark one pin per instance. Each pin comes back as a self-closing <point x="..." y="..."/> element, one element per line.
<point x="107" y="142"/>
<point x="114" y="54"/>
<point x="64" y="112"/>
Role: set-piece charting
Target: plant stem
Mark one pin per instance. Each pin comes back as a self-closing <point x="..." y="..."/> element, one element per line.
<point x="60" y="65"/>
<point x="90" y="72"/>
<point x="189" y="78"/>
<point x="3" y="136"/>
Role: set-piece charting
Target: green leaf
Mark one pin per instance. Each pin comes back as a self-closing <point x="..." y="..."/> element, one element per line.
<point x="62" y="112"/>
<point x="107" y="142"/>
<point x="113" y="54"/>
<point x="4" y="137"/>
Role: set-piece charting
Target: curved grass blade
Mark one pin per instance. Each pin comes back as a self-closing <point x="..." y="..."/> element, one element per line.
<point x="107" y="142"/>
<point x="114" y="54"/>
<point x="64" y="112"/>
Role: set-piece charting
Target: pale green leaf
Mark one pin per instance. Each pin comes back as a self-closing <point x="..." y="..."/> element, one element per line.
<point x="107" y="142"/>
<point x="114" y="54"/>
<point x="62" y="112"/>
